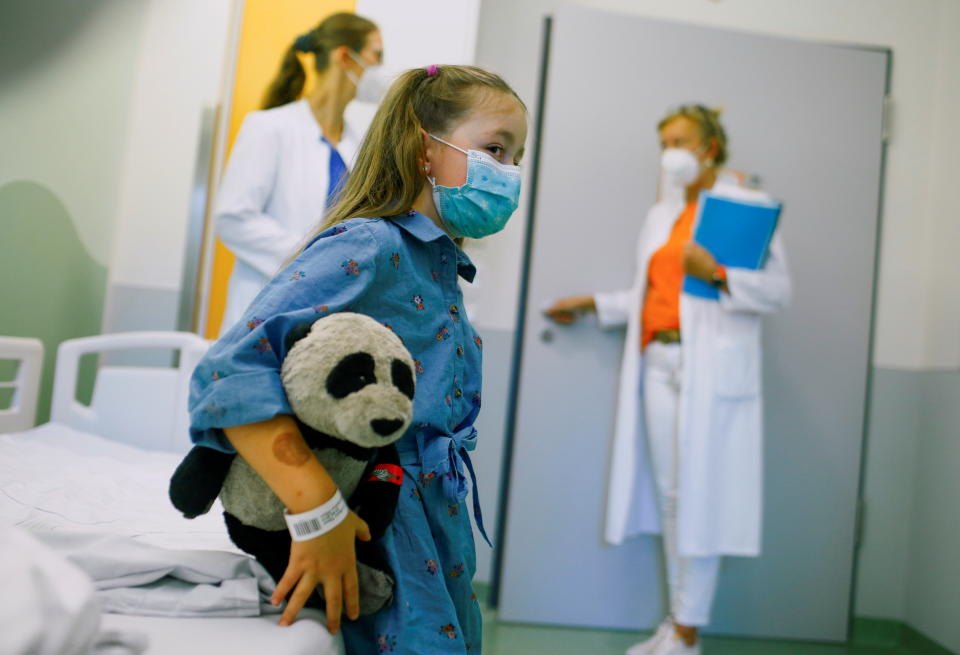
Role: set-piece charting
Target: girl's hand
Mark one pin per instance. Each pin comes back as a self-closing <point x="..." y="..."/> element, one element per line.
<point x="698" y="262"/>
<point x="329" y="560"/>
<point x="566" y="310"/>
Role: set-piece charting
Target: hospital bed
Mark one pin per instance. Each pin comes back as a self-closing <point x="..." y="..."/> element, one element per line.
<point x="92" y="485"/>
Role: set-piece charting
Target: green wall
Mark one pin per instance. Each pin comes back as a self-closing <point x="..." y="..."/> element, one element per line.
<point x="52" y="288"/>
<point x="67" y="83"/>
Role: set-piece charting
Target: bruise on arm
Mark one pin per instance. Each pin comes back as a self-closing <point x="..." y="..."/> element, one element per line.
<point x="277" y="452"/>
<point x="290" y="449"/>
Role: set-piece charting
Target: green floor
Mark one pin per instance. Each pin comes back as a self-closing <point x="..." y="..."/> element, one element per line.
<point x="872" y="638"/>
<point x="511" y="639"/>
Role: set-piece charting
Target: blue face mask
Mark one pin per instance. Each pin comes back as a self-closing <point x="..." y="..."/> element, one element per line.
<point x="484" y="203"/>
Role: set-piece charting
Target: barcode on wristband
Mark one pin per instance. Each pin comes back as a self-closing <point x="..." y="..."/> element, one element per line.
<point x="306" y="527"/>
<point x="317" y="521"/>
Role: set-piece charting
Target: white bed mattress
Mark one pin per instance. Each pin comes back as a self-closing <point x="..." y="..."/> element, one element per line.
<point x="54" y="479"/>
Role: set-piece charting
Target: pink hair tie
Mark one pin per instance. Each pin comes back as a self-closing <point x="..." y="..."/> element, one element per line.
<point x="432" y="70"/>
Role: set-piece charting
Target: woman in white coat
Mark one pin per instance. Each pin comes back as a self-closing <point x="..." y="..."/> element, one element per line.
<point x="689" y="421"/>
<point x="289" y="158"/>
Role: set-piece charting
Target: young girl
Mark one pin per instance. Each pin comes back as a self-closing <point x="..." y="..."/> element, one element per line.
<point x="439" y="163"/>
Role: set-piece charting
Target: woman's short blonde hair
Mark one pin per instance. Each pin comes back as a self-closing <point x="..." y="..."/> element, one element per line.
<point x="708" y="120"/>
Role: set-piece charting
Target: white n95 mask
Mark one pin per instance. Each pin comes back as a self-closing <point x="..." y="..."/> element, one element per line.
<point x="680" y="166"/>
<point x="372" y="85"/>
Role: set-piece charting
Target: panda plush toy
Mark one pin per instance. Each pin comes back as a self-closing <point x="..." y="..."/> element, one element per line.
<point x="350" y="383"/>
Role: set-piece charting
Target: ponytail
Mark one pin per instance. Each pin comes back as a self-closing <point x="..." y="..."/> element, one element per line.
<point x="387" y="177"/>
<point x="343" y="29"/>
<point x="288" y="83"/>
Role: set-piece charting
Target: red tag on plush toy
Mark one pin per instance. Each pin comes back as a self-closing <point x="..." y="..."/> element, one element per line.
<point x="386" y="473"/>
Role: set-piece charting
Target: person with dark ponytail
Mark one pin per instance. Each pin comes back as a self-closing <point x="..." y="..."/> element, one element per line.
<point x="290" y="158"/>
<point x="440" y="163"/>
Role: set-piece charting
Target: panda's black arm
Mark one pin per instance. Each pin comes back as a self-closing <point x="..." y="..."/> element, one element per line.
<point x="375" y="498"/>
<point x="198" y="479"/>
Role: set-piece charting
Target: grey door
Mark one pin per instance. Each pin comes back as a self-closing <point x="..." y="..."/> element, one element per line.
<point x="808" y="118"/>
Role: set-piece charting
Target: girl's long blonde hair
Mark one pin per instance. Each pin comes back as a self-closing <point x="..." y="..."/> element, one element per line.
<point x="387" y="177"/>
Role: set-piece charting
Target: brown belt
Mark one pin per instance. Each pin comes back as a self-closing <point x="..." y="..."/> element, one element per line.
<point x="667" y="336"/>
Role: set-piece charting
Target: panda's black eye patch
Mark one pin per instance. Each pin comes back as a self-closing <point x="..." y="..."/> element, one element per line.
<point x="402" y="378"/>
<point x="353" y="373"/>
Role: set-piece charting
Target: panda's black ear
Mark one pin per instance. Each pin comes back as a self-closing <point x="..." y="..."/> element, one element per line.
<point x="296" y="333"/>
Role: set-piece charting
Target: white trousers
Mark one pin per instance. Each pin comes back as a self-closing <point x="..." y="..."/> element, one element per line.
<point x="692" y="581"/>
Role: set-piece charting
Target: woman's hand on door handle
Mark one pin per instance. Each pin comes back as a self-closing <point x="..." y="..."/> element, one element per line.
<point x="566" y="310"/>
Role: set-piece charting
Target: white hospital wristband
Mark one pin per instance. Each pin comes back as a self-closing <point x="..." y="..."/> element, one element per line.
<point x="317" y="521"/>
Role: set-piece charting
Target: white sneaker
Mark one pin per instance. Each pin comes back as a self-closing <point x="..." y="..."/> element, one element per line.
<point x="672" y="644"/>
<point x="647" y="647"/>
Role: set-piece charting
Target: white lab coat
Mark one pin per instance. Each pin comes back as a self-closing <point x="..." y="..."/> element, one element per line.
<point x="720" y="424"/>
<point x="273" y="193"/>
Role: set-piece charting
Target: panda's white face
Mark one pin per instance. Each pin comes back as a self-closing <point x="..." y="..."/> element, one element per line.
<point x="351" y="378"/>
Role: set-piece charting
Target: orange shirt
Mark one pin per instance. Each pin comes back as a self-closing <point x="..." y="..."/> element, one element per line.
<point x="661" y="305"/>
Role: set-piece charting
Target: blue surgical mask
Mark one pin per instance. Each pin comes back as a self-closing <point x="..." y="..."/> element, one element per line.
<point x="486" y="200"/>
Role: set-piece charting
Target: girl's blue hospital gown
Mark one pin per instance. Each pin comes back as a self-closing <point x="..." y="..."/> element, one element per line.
<point x="402" y="272"/>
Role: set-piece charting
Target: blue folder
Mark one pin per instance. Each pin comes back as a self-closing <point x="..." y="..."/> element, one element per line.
<point x="736" y="232"/>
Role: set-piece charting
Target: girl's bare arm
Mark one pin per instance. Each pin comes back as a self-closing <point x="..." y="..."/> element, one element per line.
<point x="278" y="453"/>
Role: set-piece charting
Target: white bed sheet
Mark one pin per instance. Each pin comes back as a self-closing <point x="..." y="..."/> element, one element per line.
<point x="307" y="636"/>
<point x="54" y="478"/>
<point x="57" y="478"/>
